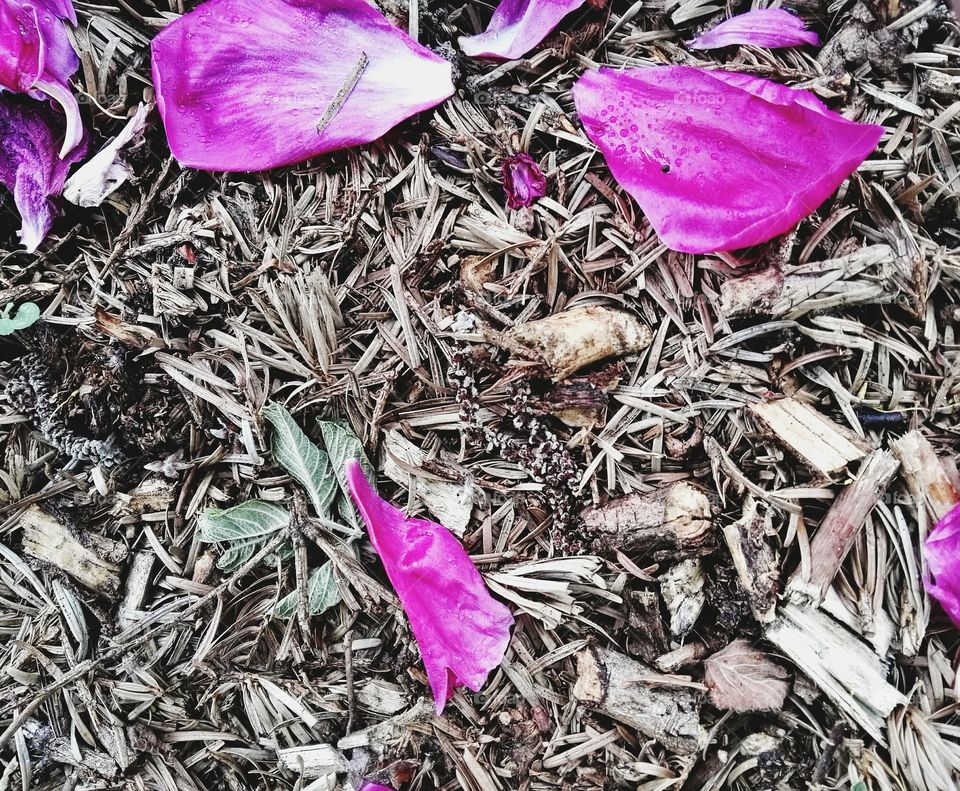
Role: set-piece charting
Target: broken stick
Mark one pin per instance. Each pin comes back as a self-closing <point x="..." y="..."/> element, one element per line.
<point x="669" y="523"/>
<point x="47" y="540"/>
<point x="625" y="690"/>
<point x="843" y="667"/>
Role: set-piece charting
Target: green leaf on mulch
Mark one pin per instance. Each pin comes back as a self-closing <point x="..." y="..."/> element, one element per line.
<point x="322" y="593"/>
<point x="342" y="445"/>
<point x="236" y="555"/>
<point x="27" y="315"/>
<point x="250" y="519"/>
<point x="310" y="466"/>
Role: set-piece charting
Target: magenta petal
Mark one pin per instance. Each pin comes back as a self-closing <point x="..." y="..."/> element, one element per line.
<point x="30" y="135"/>
<point x="942" y="551"/>
<point x="374" y="787"/>
<point x="523" y="181"/>
<point x="768" y="27"/>
<point x="21" y="47"/>
<point x="461" y="629"/>
<point x="62" y="8"/>
<point x="717" y="160"/>
<point x="242" y="84"/>
<point x="36" y="56"/>
<point x="516" y="27"/>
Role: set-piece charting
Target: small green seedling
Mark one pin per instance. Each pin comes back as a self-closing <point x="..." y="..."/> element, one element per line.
<point x="26" y="316"/>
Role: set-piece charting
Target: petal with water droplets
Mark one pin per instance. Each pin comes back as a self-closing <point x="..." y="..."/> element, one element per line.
<point x="718" y="160"/>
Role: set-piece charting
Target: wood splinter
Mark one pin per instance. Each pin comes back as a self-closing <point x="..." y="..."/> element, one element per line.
<point x="623" y="689"/>
<point x="839" y="528"/>
<point x="756" y="559"/>
<point x="925" y="474"/>
<point x="568" y="341"/>
<point x="822" y="445"/>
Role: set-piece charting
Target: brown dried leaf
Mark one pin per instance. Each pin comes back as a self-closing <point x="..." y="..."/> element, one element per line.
<point x="742" y="678"/>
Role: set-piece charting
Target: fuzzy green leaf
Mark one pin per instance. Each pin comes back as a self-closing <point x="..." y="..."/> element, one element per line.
<point x="342" y="445"/>
<point x="293" y="450"/>
<point x="237" y="554"/>
<point x="322" y="593"/>
<point x="250" y="519"/>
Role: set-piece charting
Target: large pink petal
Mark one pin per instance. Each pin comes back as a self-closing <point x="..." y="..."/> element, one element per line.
<point x="717" y="160"/>
<point x="516" y="27"/>
<point x="21" y="46"/>
<point x="767" y="27"/>
<point x="30" y="134"/>
<point x="36" y="56"/>
<point x="942" y="551"/>
<point x="242" y="84"/>
<point x="461" y="629"/>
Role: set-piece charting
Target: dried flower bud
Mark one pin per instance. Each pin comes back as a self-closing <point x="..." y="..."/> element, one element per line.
<point x="523" y="181"/>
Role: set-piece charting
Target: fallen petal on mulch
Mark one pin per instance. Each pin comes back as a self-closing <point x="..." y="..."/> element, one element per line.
<point x="244" y="85"/>
<point x="36" y="57"/>
<point x="942" y="551"/>
<point x="767" y="27"/>
<point x="461" y="629"/>
<point x="718" y="161"/>
<point x="516" y="27"/>
<point x="523" y="181"/>
<point x="107" y="170"/>
<point x="31" y="132"/>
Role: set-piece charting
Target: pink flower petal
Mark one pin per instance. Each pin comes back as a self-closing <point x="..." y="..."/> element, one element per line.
<point x="62" y="8"/>
<point x="768" y="27"/>
<point x="461" y="629"/>
<point x="516" y="27"/>
<point x="30" y="134"/>
<point x="374" y="787"/>
<point x="942" y="551"/>
<point x="717" y="160"/>
<point x="242" y="84"/>
<point x="21" y="48"/>
<point x="36" y="56"/>
<point x="523" y="181"/>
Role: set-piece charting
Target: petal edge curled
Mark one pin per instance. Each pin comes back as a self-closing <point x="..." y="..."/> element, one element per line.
<point x="767" y="27"/>
<point x="30" y="165"/>
<point x="516" y="27"/>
